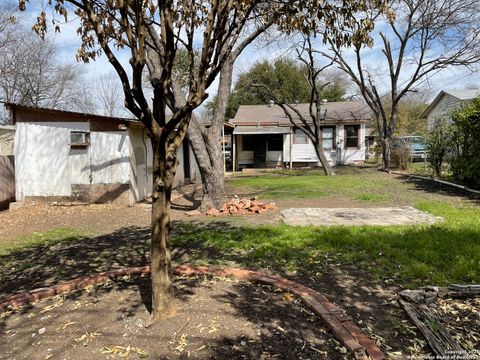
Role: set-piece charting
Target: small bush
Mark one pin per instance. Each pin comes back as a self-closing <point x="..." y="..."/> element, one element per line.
<point x="465" y="163"/>
<point x="439" y="145"/>
<point x="400" y="156"/>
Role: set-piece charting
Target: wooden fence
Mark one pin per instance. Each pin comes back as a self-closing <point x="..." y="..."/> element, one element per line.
<point x="7" y="181"/>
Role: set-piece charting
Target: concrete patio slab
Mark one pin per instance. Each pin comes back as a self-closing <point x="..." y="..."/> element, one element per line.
<point x="404" y="215"/>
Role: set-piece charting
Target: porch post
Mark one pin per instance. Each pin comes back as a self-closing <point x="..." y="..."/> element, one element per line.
<point x="234" y="155"/>
<point x="291" y="144"/>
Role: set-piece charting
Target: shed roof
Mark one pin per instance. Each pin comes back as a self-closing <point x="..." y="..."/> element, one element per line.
<point x="273" y="115"/>
<point x="79" y="115"/>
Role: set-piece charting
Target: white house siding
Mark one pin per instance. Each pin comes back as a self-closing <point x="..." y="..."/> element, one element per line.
<point x="351" y="156"/>
<point x="42" y="157"/>
<point x="305" y="153"/>
<point x="442" y="109"/>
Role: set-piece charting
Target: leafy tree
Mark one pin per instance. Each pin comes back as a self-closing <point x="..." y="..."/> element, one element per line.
<point x="465" y="142"/>
<point x="287" y="79"/>
<point x="439" y="143"/>
<point x="152" y="33"/>
<point x="409" y="118"/>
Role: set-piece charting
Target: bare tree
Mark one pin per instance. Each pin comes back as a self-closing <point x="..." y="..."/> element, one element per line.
<point x="425" y="37"/>
<point x="310" y="126"/>
<point x="152" y="32"/>
<point x="30" y="74"/>
<point x="108" y="94"/>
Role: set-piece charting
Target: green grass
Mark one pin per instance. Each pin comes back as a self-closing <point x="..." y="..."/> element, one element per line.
<point x="36" y="239"/>
<point x="411" y="255"/>
<point x="304" y="184"/>
<point x="448" y="252"/>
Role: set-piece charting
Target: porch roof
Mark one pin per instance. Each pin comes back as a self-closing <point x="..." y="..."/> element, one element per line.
<point x="252" y="130"/>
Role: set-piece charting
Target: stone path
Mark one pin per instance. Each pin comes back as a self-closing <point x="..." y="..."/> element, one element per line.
<point x="403" y="215"/>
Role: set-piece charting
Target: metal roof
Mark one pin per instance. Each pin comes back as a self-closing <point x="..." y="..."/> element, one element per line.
<point x="252" y="130"/>
<point x="14" y="106"/>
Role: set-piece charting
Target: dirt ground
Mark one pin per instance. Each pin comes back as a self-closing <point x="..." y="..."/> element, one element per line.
<point x="218" y="319"/>
<point x="119" y="237"/>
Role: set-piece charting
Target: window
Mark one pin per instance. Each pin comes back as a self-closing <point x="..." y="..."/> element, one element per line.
<point x="275" y="142"/>
<point x="299" y="137"/>
<point x="328" y="138"/>
<point x="248" y="143"/>
<point x="351" y="136"/>
<point x="79" y="139"/>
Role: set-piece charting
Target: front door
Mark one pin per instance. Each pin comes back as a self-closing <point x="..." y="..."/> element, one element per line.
<point x="259" y="151"/>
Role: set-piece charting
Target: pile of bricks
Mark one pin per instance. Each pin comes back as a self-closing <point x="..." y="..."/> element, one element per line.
<point x="239" y="207"/>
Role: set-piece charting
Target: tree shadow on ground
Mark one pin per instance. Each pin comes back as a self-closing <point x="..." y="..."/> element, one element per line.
<point x="364" y="282"/>
<point x="432" y="187"/>
<point x="279" y="327"/>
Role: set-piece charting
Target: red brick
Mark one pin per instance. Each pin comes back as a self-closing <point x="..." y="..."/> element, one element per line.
<point x="360" y="355"/>
<point x="331" y="321"/>
<point x="353" y="345"/>
<point x="372" y="349"/>
<point x="65" y="287"/>
<point x="314" y="305"/>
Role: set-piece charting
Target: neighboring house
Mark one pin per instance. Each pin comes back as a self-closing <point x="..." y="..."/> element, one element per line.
<point x="264" y="136"/>
<point x="7" y="134"/>
<point x="62" y="155"/>
<point x="445" y="102"/>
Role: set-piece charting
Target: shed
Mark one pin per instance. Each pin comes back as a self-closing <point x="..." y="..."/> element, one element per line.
<point x="64" y="156"/>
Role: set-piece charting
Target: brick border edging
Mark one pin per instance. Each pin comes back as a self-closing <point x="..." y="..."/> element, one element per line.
<point x="342" y="326"/>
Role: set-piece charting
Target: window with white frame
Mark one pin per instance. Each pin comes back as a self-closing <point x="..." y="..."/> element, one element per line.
<point x="299" y="137"/>
<point x="328" y="137"/>
<point x="351" y="136"/>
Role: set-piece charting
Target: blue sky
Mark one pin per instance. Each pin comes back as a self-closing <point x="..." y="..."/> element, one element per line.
<point x="68" y="42"/>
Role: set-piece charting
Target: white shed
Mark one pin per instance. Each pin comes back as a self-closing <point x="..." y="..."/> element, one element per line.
<point x="62" y="155"/>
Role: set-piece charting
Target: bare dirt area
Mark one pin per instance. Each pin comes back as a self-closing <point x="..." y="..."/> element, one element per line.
<point x="218" y="319"/>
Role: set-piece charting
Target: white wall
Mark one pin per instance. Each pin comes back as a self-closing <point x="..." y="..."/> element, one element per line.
<point x="351" y="156"/>
<point x="305" y="153"/>
<point x="46" y="165"/>
<point x="42" y="152"/>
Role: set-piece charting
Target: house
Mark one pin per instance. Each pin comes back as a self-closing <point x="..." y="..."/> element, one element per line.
<point x="264" y="137"/>
<point x="445" y="102"/>
<point x="63" y="155"/>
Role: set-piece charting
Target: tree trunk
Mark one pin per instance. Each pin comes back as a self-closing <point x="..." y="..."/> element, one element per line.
<point x="323" y="159"/>
<point x="206" y="144"/>
<point x="163" y="300"/>
<point x="208" y="155"/>
<point x="386" y="152"/>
